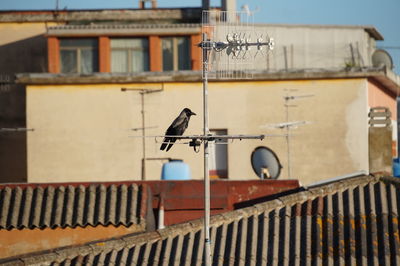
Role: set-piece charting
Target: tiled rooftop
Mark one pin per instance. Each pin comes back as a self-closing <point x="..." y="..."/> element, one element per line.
<point x="51" y="206"/>
<point x="352" y="221"/>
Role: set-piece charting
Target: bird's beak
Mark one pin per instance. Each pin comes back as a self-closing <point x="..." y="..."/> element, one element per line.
<point x="192" y="113"/>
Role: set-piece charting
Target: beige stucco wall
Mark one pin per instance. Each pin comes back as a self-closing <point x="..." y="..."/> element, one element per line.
<point x="12" y="32"/>
<point x="82" y="132"/>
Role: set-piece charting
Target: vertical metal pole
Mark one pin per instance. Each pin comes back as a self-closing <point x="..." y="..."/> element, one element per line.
<point x="144" y="138"/>
<point x="398" y="125"/>
<point x="287" y="134"/>
<point x="207" y="244"/>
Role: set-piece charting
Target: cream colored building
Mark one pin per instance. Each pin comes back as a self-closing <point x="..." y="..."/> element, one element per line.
<point x="82" y="132"/>
<point x="82" y="122"/>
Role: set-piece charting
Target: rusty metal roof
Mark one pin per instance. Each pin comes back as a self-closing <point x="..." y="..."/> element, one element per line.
<point x="352" y="221"/>
<point x="51" y="206"/>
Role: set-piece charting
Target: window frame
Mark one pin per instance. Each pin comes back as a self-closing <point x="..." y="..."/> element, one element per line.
<point x="79" y="50"/>
<point x="175" y="52"/>
<point x="129" y="53"/>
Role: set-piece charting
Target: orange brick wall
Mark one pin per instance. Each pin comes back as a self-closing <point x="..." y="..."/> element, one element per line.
<point x="195" y="51"/>
<point x="104" y="54"/>
<point x="53" y="54"/>
<point x="155" y="53"/>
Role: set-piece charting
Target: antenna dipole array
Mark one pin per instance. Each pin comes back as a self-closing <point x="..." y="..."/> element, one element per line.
<point x="233" y="44"/>
<point x="226" y="53"/>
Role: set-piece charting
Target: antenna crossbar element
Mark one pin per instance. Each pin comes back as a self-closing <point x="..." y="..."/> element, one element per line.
<point x="15" y="129"/>
<point x="218" y="137"/>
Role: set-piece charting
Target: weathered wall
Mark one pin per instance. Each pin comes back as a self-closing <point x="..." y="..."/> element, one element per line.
<point x="313" y="46"/>
<point x="16" y="242"/>
<point x="378" y="96"/>
<point x="82" y="132"/>
<point x="22" y="49"/>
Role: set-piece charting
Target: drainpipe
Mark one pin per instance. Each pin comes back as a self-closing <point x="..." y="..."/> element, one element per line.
<point x="396" y="161"/>
<point x="161" y="212"/>
<point x="398" y="127"/>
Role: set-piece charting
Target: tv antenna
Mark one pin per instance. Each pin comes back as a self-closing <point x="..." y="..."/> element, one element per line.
<point x="289" y="125"/>
<point x="227" y="53"/>
<point x="143" y="92"/>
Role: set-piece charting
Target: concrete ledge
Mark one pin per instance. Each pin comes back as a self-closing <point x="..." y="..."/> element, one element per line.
<point x="386" y="77"/>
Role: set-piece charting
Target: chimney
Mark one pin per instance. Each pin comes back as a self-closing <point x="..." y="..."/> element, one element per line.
<point x="142" y="4"/>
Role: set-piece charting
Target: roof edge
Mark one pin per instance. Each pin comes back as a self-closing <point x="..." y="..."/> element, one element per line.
<point x="370" y="29"/>
<point x="99" y="14"/>
<point x="388" y="78"/>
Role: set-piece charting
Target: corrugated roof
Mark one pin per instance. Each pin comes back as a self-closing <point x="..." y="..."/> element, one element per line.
<point x="353" y="221"/>
<point x="43" y="206"/>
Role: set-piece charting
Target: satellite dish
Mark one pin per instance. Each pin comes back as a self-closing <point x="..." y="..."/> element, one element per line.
<point x="381" y="57"/>
<point x="265" y="163"/>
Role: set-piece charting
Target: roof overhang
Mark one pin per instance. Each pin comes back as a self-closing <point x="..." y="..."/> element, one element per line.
<point x="385" y="77"/>
<point x="123" y="30"/>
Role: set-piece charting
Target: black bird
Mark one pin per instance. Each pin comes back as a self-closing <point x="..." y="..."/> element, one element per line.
<point x="176" y="128"/>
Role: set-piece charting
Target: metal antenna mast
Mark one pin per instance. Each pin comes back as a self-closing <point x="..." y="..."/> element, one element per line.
<point x="142" y="92"/>
<point x="288" y="125"/>
<point x="223" y="32"/>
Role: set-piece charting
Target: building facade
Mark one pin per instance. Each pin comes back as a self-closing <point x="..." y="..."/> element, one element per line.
<point x="81" y="120"/>
<point x="83" y="130"/>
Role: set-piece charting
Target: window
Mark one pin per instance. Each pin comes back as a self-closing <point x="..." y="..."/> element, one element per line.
<point x="218" y="159"/>
<point x="176" y="53"/>
<point x="79" y="55"/>
<point x="129" y="55"/>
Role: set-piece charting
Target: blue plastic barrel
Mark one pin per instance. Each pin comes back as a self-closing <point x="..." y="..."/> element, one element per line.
<point x="396" y="167"/>
<point x="175" y="170"/>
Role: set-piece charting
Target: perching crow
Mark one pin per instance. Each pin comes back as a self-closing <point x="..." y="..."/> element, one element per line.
<point x="177" y="128"/>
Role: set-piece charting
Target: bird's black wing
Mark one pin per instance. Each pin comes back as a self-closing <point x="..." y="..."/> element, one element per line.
<point x="171" y="131"/>
<point x="177" y="128"/>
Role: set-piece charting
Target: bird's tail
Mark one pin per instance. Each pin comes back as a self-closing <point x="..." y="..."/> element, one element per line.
<point x="164" y="144"/>
<point x="169" y="146"/>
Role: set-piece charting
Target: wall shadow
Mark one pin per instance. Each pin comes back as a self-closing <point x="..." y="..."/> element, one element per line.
<point x="23" y="56"/>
